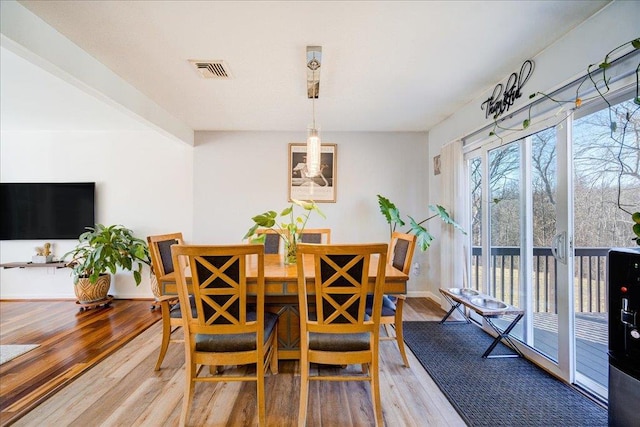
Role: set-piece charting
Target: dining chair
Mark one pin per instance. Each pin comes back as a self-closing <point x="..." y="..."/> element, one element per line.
<point x="162" y="264"/>
<point x="271" y="241"/>
<point x="334" y="328"/>
<point x="229" y="327"/>
<point x="316" y="235"/>
<point x="401" y="249"/>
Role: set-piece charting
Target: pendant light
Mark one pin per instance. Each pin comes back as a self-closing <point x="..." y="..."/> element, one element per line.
<point x="314" y="56"/>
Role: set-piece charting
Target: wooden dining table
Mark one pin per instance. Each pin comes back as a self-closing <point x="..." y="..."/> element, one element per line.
<point x="281" y="293"/>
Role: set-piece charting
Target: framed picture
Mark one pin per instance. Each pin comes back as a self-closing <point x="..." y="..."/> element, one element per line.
<point x="320" y="188"/>
<point x="436" y="165"/>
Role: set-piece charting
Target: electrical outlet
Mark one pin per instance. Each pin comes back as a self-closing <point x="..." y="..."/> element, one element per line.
<point x="415" y="271"/>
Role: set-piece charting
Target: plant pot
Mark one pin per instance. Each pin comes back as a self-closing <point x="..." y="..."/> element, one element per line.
<point x="89" y="292"/>
<point x="155" y="286"/>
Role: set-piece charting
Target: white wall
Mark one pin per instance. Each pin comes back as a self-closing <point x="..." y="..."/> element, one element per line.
<point x="241" y="174"/>
<point x="557" y="65"/>
<point x="143" y="181"/>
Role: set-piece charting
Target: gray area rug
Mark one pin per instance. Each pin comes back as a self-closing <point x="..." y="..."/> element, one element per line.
<point x="495" y="392"/>
<point x="10" y="352"/>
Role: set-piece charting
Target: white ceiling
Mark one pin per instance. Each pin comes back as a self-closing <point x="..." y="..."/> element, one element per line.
<point x="386" y="66"/>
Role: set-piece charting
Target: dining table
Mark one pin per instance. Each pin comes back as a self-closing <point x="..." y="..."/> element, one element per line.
<point x="281" y="293"/>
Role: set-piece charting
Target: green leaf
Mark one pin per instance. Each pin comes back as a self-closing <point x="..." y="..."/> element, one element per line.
<point x="635" y="217"/>
<point x="286" y="211"/>
<point x="389" y="210"/>
<point x="635" y="43"/>
<point x="137" y="277"/>
<point x="492" y="133"/>
<point x="423" y="237"/>
<point x="637" y="100"/>
<point x="533" y="95"/>
<point x="604" y="65"/>
<point x="266" y="219"/>
<point x="525" y="123"/>
<point x="444" y="216"/>
<point x="251" y="232"/>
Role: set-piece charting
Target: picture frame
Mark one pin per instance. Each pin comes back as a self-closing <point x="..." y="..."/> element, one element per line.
<point x="321" y="188"/>
<point x="436" y="165"/>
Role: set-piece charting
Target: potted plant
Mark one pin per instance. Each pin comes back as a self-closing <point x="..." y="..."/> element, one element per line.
<point x="102" y="250"/>
<point x="289" y="232"/>
<point x="635" y="217"/>
<point x="423" y="237"/>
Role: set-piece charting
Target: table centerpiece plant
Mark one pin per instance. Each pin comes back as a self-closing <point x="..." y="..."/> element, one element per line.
<point x="102" y="250"/>
<point x="290" y="227"/>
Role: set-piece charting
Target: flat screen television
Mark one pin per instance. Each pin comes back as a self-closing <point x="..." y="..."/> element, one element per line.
<point x="31" y="211"/>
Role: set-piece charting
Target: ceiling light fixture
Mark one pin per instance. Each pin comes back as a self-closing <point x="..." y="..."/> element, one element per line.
<point x="314" y="57"/>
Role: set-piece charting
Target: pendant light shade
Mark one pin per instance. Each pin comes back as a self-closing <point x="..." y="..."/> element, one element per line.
<point x="314" y="56"/>
<point x="313" y="151"/>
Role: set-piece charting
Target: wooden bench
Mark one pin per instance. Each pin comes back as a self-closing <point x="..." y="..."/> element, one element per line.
<point x="487" y="307"/>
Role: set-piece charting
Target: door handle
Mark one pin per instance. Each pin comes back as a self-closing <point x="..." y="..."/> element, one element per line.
<point x="559" y="247"/>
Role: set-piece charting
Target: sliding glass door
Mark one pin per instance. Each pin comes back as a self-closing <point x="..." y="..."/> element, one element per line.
<point x="545" y="209"/>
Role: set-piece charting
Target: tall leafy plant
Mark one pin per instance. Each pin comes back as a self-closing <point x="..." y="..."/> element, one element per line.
<point x="423" y="237"/>
<point x="103" y="249"/>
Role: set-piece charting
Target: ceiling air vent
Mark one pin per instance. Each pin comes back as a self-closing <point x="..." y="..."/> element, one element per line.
<point x="212" y="69"/>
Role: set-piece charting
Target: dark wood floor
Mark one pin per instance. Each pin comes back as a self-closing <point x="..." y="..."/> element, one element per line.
<point x="70" y="343"/>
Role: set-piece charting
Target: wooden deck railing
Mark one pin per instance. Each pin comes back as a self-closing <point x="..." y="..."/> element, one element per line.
<point x="589" y="277"/>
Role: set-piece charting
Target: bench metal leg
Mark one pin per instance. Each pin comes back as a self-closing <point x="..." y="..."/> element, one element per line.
<point x="506" y="337"/>
<point x="454" y="306"/>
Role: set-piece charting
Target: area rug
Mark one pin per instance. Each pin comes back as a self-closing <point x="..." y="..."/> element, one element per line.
<point x="495" y="392"/>
<point x="10" y="352"/>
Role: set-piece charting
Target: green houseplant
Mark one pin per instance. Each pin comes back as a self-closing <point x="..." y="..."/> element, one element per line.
<point x="102" y="250"/>
<point x="289" y="228"/>
<point x="423" y="237"/>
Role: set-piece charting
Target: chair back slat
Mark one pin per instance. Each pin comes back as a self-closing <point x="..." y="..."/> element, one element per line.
<point x="341" y="286"/>
<point x="271" y="240"/>
<point x="160" y="252"/>
<point x="219" y="285"/>
<point x="316" y="235"/>
<point x="402" y="247"/>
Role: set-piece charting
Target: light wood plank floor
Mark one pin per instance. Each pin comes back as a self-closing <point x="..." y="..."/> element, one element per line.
<point x="123" y="390"/>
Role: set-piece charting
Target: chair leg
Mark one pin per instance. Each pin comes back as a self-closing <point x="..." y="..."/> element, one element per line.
<point x="375" y="390"/>
<point x="386" y="330"/>
<point x="304" y="390"/>
<point x="399" y="333"/>
<point x="273" y="366"/>
<point x="262" y="418"/>
<point x="190" y="373"/>
<point x="166" y="335"/>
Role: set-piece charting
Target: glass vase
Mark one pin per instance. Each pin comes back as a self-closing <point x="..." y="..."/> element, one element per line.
<point x="290" y="252"/>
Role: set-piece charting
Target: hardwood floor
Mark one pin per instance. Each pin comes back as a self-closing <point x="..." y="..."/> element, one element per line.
<point x="125" y="390"/>
<point x="70" y="341"/>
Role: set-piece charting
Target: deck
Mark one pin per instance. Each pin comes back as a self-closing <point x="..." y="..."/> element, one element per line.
<point x="591" y="341"/>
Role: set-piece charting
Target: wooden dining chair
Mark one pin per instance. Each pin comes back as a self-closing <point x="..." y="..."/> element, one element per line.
<point x="334" y="328"/>
<point x="316" y="235"/>
<point x="162" y="264"/>
<point x="401" y="248"/>
<point x="228" y="328"/>
<point x="271" y="241"/>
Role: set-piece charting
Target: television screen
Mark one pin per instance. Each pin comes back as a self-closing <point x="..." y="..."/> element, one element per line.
<point x="46" y="210"/>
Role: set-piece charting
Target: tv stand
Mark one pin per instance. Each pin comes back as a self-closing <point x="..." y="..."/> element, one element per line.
<point x="57" y="264"/>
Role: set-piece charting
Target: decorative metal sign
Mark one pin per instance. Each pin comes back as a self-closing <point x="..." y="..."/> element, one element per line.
<point x="504" y="96"/>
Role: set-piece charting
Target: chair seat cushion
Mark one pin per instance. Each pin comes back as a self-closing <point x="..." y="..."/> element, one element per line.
<point x="388" y="305"/>
<point x="176" y="312"/>
<point x="223" y="343"/>
<point x="339" y="342"/>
